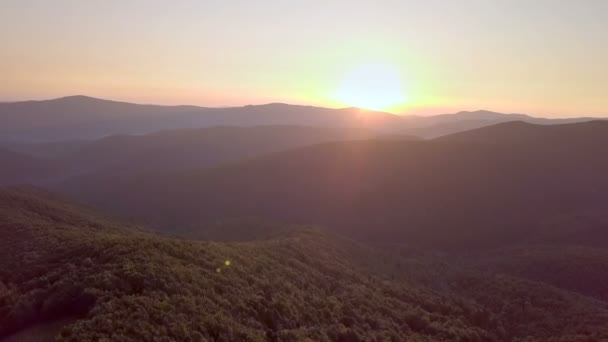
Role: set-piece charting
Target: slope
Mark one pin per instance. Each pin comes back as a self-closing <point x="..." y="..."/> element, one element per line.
<point x="60" y="260"/>
<point x="17" y="168"/>
<point x="519" y="132"/>
<point x="198" y="148"/>
<point x="574" y="268"/>
<point x="439" y="194"/>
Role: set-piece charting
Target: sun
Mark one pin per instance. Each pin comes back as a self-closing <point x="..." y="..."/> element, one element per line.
<point x="371" y="86"/>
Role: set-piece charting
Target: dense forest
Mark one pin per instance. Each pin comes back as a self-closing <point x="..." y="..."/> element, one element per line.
<point x="117" y="282"/>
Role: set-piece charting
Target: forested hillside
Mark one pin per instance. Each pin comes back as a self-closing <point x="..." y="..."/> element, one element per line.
<point x="107" y="280"/>
<point x="572" y="267"/>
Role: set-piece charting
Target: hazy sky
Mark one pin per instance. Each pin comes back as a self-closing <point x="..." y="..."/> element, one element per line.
<point x="545" y="57"/>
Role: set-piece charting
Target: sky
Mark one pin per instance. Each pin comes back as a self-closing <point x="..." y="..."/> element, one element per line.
<point x="543" y="57"/>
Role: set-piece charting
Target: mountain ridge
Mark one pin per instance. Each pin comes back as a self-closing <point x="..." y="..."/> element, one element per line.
<point x="390" y="185"/>
<point x="83" y="117"/>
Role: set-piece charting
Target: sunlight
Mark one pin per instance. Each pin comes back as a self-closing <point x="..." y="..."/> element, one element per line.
<point x="371" y="86"/>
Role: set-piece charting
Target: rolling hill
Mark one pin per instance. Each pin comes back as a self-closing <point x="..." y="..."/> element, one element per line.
<point x="198" y="148"/>
<point x="441" y="194"/>
<point x="446" y="124"/>
<point x="163" y="151"/>
<point x="46" y="150"/>
<point x="69" y="272"/>
<point x="519" y="132"/>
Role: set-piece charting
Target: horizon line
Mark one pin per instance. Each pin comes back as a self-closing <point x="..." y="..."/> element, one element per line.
<point x="295" y="105"/>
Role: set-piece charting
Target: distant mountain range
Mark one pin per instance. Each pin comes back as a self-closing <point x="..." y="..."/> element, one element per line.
<point x="82" y="117"/>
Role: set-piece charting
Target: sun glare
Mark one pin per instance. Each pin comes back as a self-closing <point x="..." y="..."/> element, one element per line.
<point x="371" y="86"/>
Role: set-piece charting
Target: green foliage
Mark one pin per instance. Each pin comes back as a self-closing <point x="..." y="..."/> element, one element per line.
<point x="60" y="261"/>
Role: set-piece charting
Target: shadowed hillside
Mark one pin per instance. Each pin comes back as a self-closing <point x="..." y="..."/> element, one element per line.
<point x="571" y="267"/>
<point x="19" y="168"/>
<point x="46" y="150"/>
<point x="199" y="148"/>
<point x="441" y="194"/>
<point x="163" y="151"/>
<point x="519" y="132"/>
<point x="63" y="263"/>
